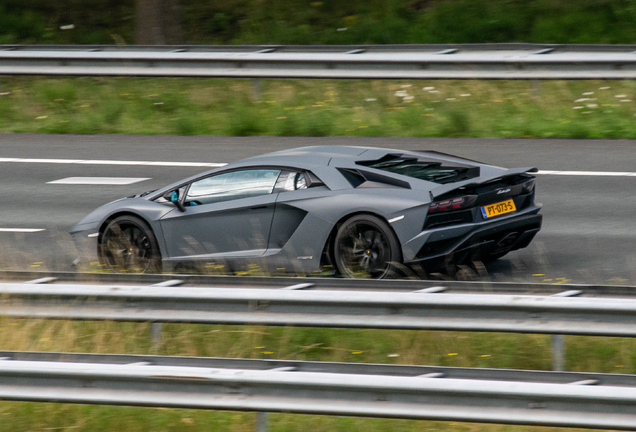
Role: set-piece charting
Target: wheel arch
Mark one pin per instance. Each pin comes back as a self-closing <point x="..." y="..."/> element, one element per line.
<point x="327" y="257"/>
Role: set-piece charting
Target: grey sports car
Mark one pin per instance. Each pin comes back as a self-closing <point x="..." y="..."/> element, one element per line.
<point x="358" y="211"/>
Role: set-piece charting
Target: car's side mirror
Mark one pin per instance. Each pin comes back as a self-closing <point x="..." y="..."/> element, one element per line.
<point x="173" y="197"/>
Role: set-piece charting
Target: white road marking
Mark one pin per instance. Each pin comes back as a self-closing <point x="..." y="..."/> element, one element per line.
<point x="22" y="230"/>
<point x="221" y="164"/>
<point x="113" y="162"/>
<point x="589" y="173"/>
<point x="119" y="181"/>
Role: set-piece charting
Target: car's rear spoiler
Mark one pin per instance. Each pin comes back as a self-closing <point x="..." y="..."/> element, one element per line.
<point x="479" y="180"/>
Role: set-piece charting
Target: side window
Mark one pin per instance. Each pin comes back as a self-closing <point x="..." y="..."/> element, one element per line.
<point x="231" y="186"/>
<point x="290" y="181"/>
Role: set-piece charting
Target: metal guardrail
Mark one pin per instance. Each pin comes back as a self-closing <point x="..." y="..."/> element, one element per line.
<point x="565" y="400"/>
<point x="324" y="283"/>
<point x="464" y="61"/>
<point x="423" y="309"/>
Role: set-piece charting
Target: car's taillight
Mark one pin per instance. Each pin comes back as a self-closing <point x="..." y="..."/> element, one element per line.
<point x="451" y="204"/>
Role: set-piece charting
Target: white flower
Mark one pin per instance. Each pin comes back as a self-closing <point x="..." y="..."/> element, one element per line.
<point x="409" y="97"/>
<point x="433" y="91"/>
<point x="580" y="100"/>
<point x="429" y="109"/>
<point x="465" y="95"/>
<point x="626" y="100"/>
<point x="603" y="88"/>
<point x="620" y="96"/>
<point x="428" y="88"/>
<point x="67" y="27"/>
<point x="342" y="29"/>
<point x="587" y="93"/>
<point x="592" y="105"/>
<point x="577" y="107"/>
<point x="450" y="99"/>
<point x="371" y="99"/>
<point x="405" y="86"/>
<point x="401" y="93"/>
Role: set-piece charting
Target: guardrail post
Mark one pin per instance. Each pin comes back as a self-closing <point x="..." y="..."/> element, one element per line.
<point x="256" y="89"/>
<point x="261" y="422"/>
<point x="558" y="341"/>
<point x="558" y="353"/>
<point x="155" y="332"/>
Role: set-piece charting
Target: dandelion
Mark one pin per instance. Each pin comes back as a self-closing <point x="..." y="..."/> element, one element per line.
<point x="270" y="102"/>
<point x="587" y="93"/>
<point x="84" y="106"/>
<point x="485" y="355"/>
<point x="452" y="354"/>
<point x="316" y="4"/>
<point x="281" y="118"/>
<point x="356" y="352"/>
<point x="58" y="100"/>
<point x="498" y="100"/>
<point x="41" y="117"/>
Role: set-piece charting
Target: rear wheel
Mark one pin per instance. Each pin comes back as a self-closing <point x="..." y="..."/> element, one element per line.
<point x="365" y="247"/>
<point x="129" y="245"/>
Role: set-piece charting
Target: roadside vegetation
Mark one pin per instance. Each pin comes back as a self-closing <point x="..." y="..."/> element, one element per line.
<point x="564" y="109"/>
<point x="349" y="345"/>
<point x="329" y="21"/>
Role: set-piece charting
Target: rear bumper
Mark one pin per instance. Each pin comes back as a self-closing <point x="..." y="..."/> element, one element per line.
<point x="481" y="243"/>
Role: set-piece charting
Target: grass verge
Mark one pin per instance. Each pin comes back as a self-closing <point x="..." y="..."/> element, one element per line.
<point x="404" y="347"/>
<point x="564" y="109"/>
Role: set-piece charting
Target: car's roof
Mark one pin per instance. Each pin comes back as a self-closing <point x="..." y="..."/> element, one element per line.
<point x="333" y="155"/>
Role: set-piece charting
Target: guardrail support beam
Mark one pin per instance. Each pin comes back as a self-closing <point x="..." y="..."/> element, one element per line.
<point x="261" y="422"/>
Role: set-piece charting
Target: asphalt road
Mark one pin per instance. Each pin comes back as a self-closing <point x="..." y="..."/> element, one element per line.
<point x="589" y="228"/>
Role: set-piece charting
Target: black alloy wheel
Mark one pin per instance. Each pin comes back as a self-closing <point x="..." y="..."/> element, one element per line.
<point x="129" y="245"/>
<point x="365" y="247"/>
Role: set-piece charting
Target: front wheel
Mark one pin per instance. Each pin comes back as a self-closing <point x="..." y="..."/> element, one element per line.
<point x="128" y="244"/>
<point x="365" y="247"/>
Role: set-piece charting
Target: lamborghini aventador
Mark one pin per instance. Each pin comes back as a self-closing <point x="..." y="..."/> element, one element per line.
<point x="359" y="211"/>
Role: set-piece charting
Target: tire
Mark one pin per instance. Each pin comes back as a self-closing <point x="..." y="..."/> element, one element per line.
<point x="365" y="247"/>
<point x="128" y="245"/>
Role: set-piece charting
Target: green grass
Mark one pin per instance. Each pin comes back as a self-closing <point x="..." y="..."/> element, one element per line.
<point x="617" y="355"/>
<point x="330" y="21"/>
<point x="565" y="109"/>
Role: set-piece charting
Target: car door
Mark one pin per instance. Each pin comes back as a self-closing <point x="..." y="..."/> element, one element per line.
<point x="226" y="214"/>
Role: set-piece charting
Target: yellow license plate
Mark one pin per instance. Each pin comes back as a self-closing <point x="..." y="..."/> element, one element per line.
<point x="498" y="209"/>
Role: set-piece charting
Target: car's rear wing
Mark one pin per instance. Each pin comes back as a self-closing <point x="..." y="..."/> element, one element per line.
<point x="441" y="190"/>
